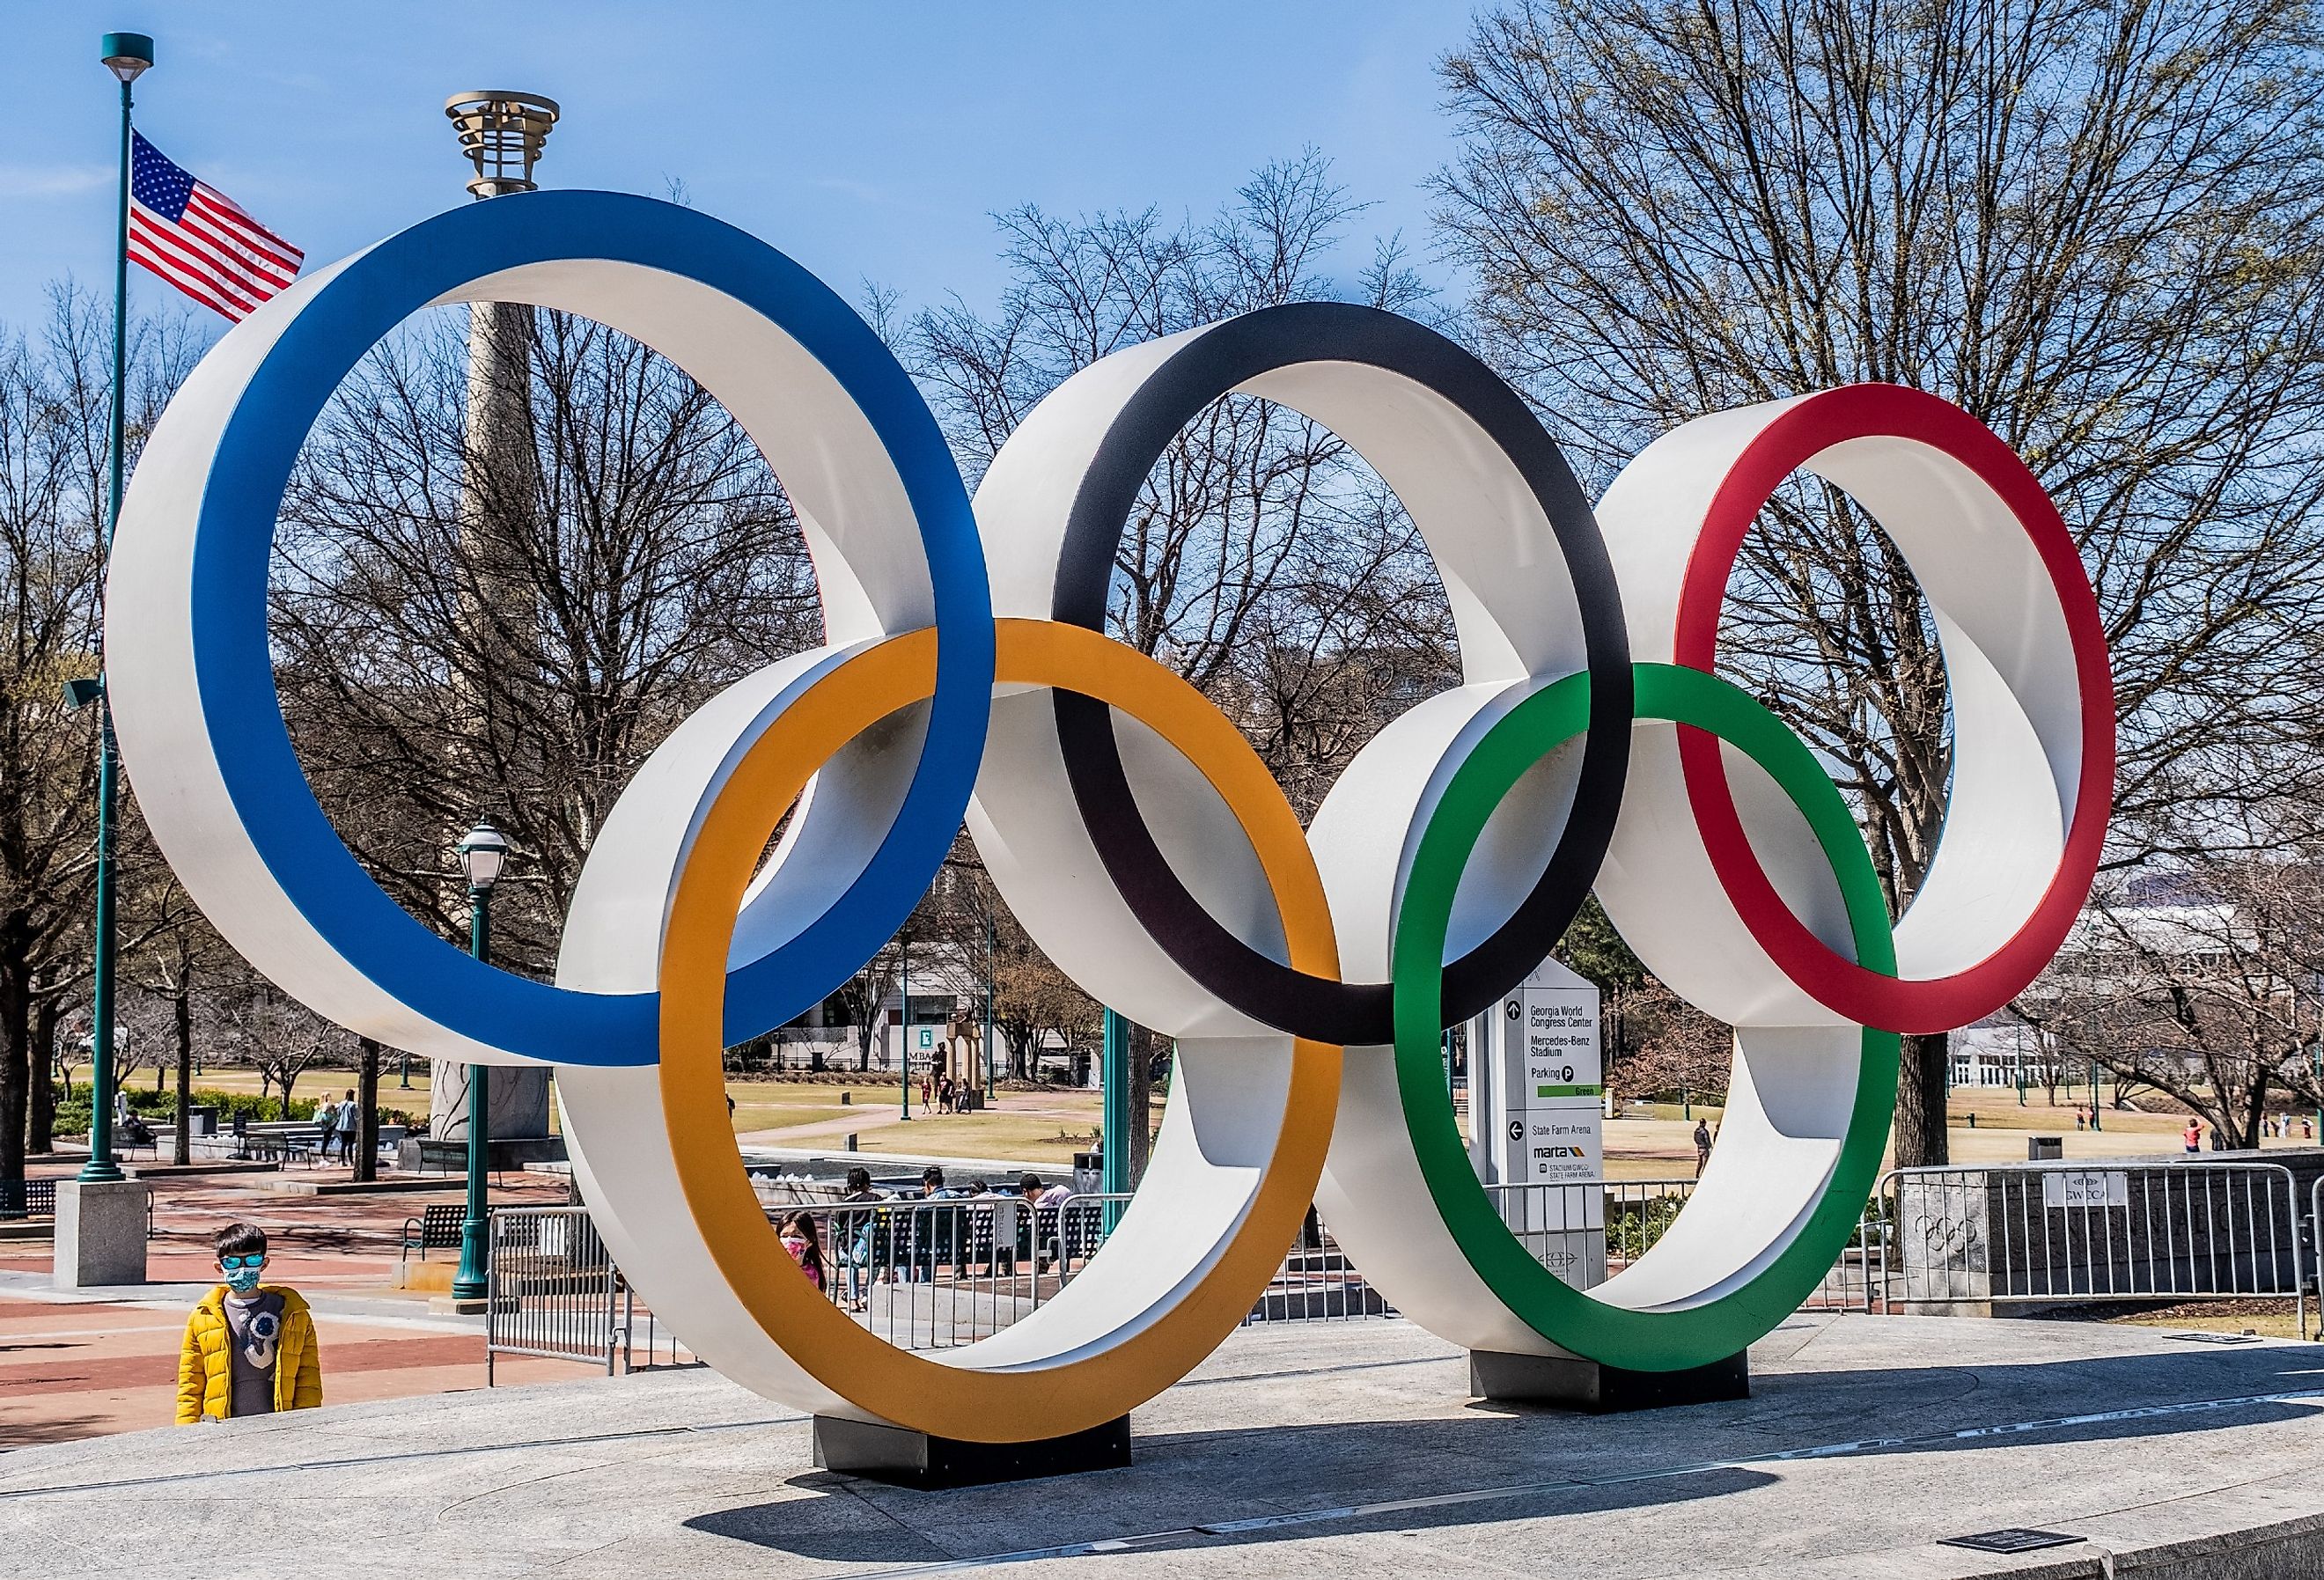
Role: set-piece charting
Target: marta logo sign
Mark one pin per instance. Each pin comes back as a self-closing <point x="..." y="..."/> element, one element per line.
<point x="1721" y="850"/>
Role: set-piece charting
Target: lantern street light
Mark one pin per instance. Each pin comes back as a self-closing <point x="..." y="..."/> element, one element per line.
<point x="482" y="855"/>
<point x="126" y="55"/>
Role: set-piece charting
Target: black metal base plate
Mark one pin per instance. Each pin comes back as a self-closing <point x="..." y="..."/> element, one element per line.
<point x="915" y="1459"/>
<point x="1575" y="1384"/>
<point x="2013" y="1539"/>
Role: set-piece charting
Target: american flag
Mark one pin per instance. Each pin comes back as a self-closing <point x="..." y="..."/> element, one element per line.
<point x="200" y="240"/>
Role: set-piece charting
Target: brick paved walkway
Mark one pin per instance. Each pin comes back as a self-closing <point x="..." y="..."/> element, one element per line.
<point x="76" y="1367"/>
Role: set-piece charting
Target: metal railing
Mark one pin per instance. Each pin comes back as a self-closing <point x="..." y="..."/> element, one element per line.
<point x="552" y="1291"/>
<point x="550" y="1288"/>
<point x="938" y="1273"/>
<point x="2064" y="1231"/>
<point x="932" y="1273"/>
<point x="2315" y="1256"/>
<point x="1588" y="1232"/>
<point x="1317" y="1283"/>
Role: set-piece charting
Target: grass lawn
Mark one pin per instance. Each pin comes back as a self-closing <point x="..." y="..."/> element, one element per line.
<point x="1031" y="1138"/>
<point x="1044" y="1125"/>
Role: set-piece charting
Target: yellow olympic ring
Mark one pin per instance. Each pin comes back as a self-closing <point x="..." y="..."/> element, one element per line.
<point x="951" y="1395"/>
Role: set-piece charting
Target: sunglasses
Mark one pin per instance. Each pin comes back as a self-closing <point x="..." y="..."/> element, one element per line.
<point x="255" y="1259"/>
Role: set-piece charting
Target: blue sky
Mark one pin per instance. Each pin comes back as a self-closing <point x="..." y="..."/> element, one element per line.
<point x="870" y="141"/>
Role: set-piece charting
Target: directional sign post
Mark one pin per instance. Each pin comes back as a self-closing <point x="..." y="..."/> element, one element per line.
<point x="1549" y="1087"/>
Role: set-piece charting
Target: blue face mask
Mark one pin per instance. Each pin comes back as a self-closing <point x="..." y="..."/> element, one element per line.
<point x="242" y="1272"/>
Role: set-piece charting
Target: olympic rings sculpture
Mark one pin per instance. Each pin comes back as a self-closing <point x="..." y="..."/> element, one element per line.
<point x="1306" y="976"/>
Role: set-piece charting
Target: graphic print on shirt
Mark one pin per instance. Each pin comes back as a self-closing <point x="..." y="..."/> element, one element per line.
<point x="265" y="1328"/>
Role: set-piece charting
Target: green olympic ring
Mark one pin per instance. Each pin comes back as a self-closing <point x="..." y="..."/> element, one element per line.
<point x="1641" y="1340"/>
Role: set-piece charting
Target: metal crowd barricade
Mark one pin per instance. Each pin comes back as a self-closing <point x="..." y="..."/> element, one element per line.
<point x="550" y="1289"/>
<point x="1587" y="1231"/>
<point x="934" y="1273"/>
<point x="2316" y="1255"/>
<point x="2087" y="1231"/>
<point x="1317" y="1283"/>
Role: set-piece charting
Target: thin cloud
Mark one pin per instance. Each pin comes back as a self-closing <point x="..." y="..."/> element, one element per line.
<point x="51" y="180"/>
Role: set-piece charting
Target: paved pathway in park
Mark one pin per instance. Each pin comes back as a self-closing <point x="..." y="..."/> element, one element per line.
<point x="1328" y="1449"/>
<point x="74" y="1365"/>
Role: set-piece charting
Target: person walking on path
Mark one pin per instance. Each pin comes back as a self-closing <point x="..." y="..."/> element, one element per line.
<point x="326" y="1124"/>
<point x="1702" y="1146"/>
<point x="350" y="1129"/>
<point x="249" y="1348"/>
<point x="2192" y="1138"/>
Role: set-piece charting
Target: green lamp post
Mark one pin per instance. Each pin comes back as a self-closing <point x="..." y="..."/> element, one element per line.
<point x="482" y="855"/>
<point x="126" y="55"/>
<point x="904" y="968"/>
<point x="1113" y="1140"/>
<point x="987" y="1043"/>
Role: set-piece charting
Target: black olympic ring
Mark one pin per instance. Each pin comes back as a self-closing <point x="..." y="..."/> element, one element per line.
<point x="1211" y="365"/>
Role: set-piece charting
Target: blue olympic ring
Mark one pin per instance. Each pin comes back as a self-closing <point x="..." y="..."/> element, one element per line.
<point x="352" y="311"/>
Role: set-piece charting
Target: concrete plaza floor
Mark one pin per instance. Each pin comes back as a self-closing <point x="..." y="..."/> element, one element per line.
<point x="1315" y="1449"/>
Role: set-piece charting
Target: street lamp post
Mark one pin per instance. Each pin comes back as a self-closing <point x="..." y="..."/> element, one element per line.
<point x="126" y="55"/>
<point x="482" y="854"/>
<point x="988" y="1011"/>
<point x="904" y="969"/>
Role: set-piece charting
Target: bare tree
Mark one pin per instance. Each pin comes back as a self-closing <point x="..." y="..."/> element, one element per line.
<point x="1263" y="560"/>
<point x="860" y="1000"/>
<point x="178" y="962"/>
<point x="2096" y="225"/>
<point x="54" y="392"/>
<point x="1032" y="999"/>
<point x="2203" y="986"/>
<point x="652" y="560"/>
<point x="279" y="1037"/>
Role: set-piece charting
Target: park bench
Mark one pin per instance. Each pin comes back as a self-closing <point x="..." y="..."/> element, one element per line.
<point x="287" y="1146"/>
<point x="437" y="1228"/>
<point x="28" y="1198"/>
<point x="37" y="1199"/>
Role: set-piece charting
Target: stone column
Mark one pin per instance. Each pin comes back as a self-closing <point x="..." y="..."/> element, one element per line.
<point x="495" y="506"/>
<point x="100" y="1233"/>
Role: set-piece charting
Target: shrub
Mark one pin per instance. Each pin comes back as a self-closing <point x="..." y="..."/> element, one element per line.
<point x="72" y="1117"/>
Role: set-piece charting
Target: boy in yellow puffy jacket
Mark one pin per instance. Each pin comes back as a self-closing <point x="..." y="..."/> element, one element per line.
<point x="249" y="1347"/>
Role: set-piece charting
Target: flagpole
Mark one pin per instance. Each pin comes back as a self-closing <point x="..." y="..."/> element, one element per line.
<point x="125" y="55"/>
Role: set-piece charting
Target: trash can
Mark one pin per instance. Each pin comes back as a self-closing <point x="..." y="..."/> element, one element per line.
<point x="2039" y="1149"/>
<point x="201" y="1120"/>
